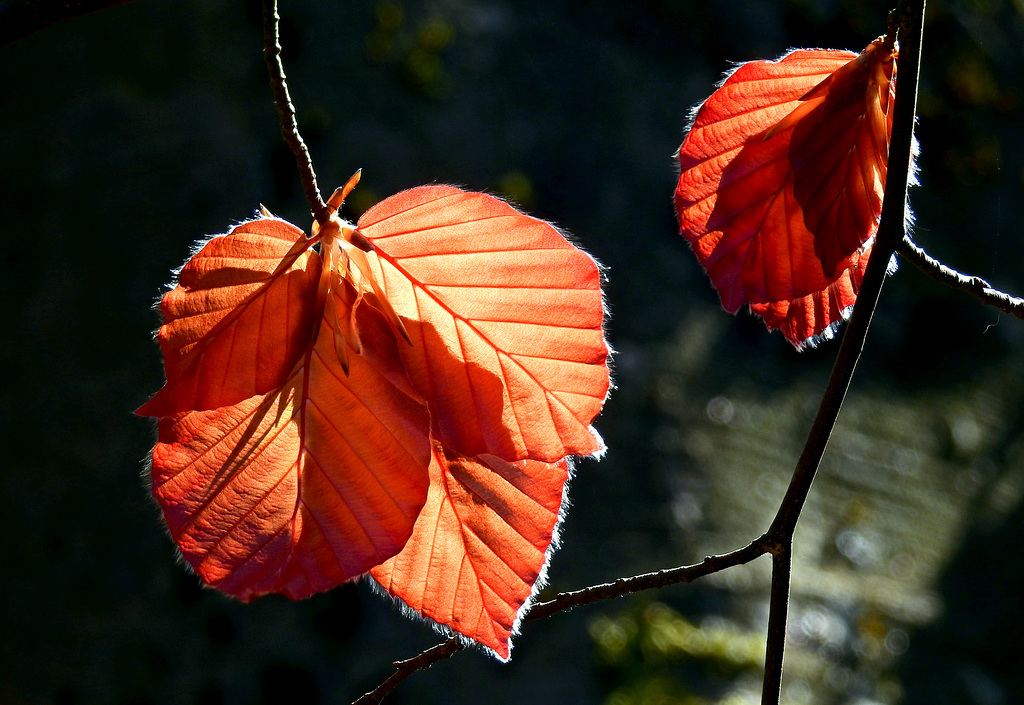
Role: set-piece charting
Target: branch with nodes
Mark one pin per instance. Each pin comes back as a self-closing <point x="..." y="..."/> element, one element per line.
<point x="404" y="669"/>
<point x="975" y="286"/>
<point x="569" y="600"/>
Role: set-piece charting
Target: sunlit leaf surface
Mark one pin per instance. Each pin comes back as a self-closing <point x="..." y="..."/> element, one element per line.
<point x="398" y="397"/>
<point x="781" y="183"/>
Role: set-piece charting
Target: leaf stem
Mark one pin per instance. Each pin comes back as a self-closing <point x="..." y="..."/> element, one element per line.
<point x="286" y="110"/>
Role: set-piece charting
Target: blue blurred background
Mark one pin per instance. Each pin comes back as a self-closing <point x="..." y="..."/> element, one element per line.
<point x="128" y="134"/>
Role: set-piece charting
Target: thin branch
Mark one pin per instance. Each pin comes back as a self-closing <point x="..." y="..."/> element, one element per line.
<point x="568" y="600"/>
<point x="20" y="18"/>
<point x="891" y="231"/>
<point x="404" y="669"/>
<point x="286" y="111"/>
<point x="648" y="581"/>
<point x="778" y="619"/>
<point x="975" y="286"/>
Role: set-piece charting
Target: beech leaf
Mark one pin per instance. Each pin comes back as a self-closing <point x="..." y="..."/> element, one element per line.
<point x="398" y="397"/>
<point x="480" y="546"/>
<point x="239" y="317"/>
<point x="781" y="182"/>
<point x="506" y="317"/>
<point x="301" y="489"/>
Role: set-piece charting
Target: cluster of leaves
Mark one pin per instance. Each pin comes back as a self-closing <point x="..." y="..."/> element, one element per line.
<point x="398" y="397"/>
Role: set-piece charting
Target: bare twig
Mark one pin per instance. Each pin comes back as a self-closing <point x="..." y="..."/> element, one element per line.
<point x="648" y="581"/>
<point x="568" y="600"/>
<point x="20" y="18"/>
<point x="890" y="233"/>
<point x="975" y="286"/>
<point x="286" y="111"/>
<point x="404" y="669"/>
<point x="778" y="619"/>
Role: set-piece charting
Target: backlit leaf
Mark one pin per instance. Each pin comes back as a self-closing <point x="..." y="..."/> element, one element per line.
<point x="813" y="316"/>
<point x="505" y="315"/>
<point x="480" y="545"/>
<point x="782" y="176"/>
<point x="238" y="319"/>
<point x="399" y="397"/>
<point x="303" y="488"/>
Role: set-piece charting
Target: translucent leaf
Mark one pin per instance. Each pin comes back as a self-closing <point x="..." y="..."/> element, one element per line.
<point x="782" y="175"/>
<point x="505" y="316"/>
<point x="240" y="316"/>
<point x="303" y="488"/>
<point x="806" y="319"/>
<point x="480" y="546"/>
<point x="317" y="387"/>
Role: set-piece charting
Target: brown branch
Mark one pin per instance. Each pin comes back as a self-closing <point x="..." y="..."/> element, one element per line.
<point x="778" y="619"/>
<point x="891" y="231"/>
<point x="286" y="111"/>
<point x="648" y="581"/>
<point x="404" y="669"/>
<point x="20" y="18"/>
<point x="975" y="286"/>
<point x="568" y="600"/>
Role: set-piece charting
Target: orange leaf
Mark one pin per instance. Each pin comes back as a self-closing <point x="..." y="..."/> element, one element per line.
<point x="303" y="488"/>
<point x="480" y="546"/>
<point x="309" y="379"/>
<point x="505" y="317"/>
<point x="814" y="316"/>
<point x="782" y="175"/>
<point x="239" y="317"/>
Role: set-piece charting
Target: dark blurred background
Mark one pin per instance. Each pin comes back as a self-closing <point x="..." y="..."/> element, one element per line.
<point x="128" y="134"/>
